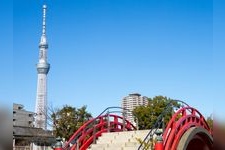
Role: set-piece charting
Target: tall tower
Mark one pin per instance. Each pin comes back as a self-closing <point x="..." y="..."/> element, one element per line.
<point x="42" y="69"/>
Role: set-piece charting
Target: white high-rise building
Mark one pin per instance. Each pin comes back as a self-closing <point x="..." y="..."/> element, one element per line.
<point x="130" y="102"/>
<point x="42" y="68"/>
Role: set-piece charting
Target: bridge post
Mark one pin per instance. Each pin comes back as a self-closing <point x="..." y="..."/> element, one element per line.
<point x="159" y="141"/>
<point x="58" y="144"/>
<point x="94" y="133"/>
<point x="137" y="126"/>
<point x="123" y="121"/>
<point x="108" y="122"/>
<point x="78" y="146"/>
<point x="163" y="124"/>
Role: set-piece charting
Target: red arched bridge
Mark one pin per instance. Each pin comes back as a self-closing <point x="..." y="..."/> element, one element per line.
<point x="186" y="130"/>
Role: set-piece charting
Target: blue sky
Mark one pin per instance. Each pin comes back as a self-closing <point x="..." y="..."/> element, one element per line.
<point x="218" y="57"/>
<point x="6" y="52"/>
<point x="102" y="50"/>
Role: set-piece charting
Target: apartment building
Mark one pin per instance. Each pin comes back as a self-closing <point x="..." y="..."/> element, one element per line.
<point x="130" y="102"/>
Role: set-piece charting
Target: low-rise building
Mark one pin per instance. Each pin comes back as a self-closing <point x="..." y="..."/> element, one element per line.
<point x="22" y="117"/>
<point x="25" y="135"/>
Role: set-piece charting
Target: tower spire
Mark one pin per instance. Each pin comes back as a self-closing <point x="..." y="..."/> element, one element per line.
<point x="43" y="42"/>
<point x="44" y="20"/>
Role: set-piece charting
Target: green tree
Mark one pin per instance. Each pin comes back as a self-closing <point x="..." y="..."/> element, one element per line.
<point x="147" y="115"/>
<point x="69" y="119"/>
<point x="209" y="120"/>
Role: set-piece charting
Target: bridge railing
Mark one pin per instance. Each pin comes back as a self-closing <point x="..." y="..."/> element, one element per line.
<point x="110" y="120"/>
<point x="180" y="122"/>
<point x="148" y="140"/>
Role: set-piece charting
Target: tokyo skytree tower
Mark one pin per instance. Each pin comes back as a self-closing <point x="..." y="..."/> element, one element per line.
<point x="42" y="69"/>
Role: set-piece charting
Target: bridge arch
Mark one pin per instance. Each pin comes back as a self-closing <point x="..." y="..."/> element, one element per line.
<point x="187" y="129"/>
<point x="112" y="119"/>
<point x="196" y="138"/>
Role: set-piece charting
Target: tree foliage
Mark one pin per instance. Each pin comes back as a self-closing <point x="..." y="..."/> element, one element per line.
<point x="69" y="119"/>
<point x="147" y="115"/>
<point x="209" y="120"/>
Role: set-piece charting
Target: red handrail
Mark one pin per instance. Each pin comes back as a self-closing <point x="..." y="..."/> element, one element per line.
<point x="94" y="128"/>
<point x="180" y="122"/>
